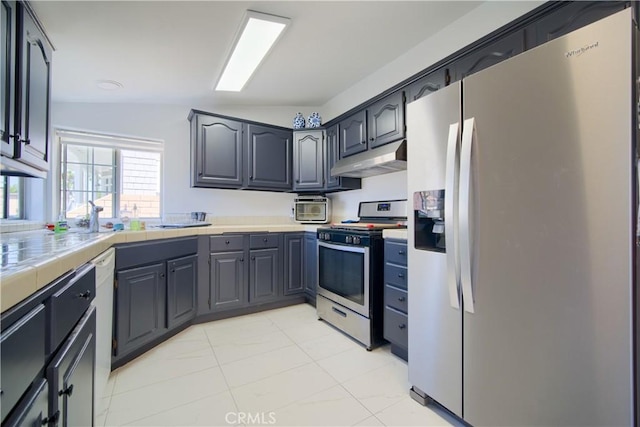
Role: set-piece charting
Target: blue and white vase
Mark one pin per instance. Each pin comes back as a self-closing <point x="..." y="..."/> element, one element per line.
<point x="314" y="120"/>
<point x="298" y="121"/>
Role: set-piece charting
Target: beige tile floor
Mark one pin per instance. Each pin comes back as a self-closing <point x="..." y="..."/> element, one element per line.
<point x="280" y="367"/>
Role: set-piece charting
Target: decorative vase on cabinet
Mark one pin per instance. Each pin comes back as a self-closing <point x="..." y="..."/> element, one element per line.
<point x="298" y="121"/>
<point x="314" y="120"/>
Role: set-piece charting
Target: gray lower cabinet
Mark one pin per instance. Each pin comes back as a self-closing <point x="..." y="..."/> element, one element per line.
<point x="71" y="374"/>
<point x="228" y="280"/>
<point x="42" y="385"/>
<point x="140" y="306"/>
<point x="310" y="265"/>
<point x="294" y="254"/>
<point x="264" y="275"/>
<point x="181" y="290"/>
<point x="395" y="325"/>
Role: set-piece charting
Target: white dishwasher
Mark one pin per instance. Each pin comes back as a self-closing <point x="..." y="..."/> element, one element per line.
<point x="103" y="302"/>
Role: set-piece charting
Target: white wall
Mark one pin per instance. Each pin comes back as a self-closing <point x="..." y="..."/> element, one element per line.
<point x="477" y="23"/>
<point x="169" y="123"/>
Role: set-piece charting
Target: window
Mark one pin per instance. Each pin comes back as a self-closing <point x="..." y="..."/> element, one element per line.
<point x="120" y="174"/>
<point x="12" y="195"/>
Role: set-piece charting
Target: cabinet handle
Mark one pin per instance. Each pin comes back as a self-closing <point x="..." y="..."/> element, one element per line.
<point x="241" y="259"/>
<point x="68" y="391"/>
<point x="372" y="139"/>
<point x="53" y="419"/>
<point x="297" y="181"/>
<point x="227" y="242"/>
<point x="26" y="141"/>
<point x="363" y="142"/>
<point x="265" y="240"/>
<point x="402" y="326"/>
<point x="200" y="174"/>
<point x="162" y="275"/>
<point x="16" y="136"/>
<point x="251" y="177"/>
<point x="401" y="299"/>
<point x="173" y="270"/>
<point x="84" y="295"/>
<point x="401" y="275"/>
<point x="401" y="252"/>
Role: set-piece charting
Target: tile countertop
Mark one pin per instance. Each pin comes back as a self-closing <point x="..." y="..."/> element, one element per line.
<point x="33" y="259"/>
<point x="393" y="233"/>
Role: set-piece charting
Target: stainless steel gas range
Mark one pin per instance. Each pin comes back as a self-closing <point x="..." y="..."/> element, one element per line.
<point x="350" y="270"/>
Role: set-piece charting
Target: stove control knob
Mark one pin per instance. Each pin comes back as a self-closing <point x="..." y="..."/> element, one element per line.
<point x="356" y="240"/>
<point x="349" y="239"/>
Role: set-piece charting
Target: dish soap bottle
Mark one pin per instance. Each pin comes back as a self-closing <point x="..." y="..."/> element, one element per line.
<point x="135" y="221"/>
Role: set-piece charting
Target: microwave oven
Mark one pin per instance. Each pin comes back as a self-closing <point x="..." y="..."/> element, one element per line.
<point x="312" y="210"/>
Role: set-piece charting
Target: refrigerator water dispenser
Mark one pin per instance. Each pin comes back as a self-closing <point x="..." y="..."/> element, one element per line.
<point x="428" y="215"/>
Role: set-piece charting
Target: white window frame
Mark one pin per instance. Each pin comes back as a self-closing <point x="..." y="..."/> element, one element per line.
<point x="117" y="142"/>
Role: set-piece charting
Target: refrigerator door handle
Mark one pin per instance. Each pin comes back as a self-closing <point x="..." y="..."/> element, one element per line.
<point x="468" y="139"/>
<point x="451" y="214"/>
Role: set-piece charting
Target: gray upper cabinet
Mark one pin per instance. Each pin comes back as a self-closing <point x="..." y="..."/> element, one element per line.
<point x="216" y="152"/>
<point x="428" y="84"/>
<point x="332" y="155"/>
<point x="269" y="159"/>
<point x="35" y="86"/>
<point x="386" y="120"/>
<point x="486" y="56"/>
<point x="353" y="134"/>
<point x="570" y="17"/>
<point x="7" y="76"/>
<point x="308" y="160"/>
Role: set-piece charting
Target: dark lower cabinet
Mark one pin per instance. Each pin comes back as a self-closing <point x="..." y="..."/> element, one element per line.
<point x="33" y="410"/>
<point x="181" y="290"/>
<point x="71" y="376"/>
<point x="396" y="297"/>
<point x="310" y="265"/>
<point x="140" y="306"/>
<point x="264" y="275"/>
<point x="294" y="263"/>
<point x="228" y="280"/>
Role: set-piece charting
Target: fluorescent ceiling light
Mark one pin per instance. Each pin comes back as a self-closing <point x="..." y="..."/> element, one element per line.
<point x="257" y="35"/>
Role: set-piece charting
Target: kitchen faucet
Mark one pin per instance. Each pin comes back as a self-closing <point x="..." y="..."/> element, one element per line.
<point x="94" y="224"/>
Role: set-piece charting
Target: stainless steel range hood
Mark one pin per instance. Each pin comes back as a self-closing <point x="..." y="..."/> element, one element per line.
<point x="387" y="158"/>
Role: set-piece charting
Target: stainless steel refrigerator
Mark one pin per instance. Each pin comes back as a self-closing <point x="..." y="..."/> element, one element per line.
<point x="522" y="236"/>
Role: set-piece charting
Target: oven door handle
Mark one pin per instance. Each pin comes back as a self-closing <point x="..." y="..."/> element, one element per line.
<point x="343" y="248"/>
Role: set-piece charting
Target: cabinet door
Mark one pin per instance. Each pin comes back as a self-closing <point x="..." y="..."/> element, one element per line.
<point x="264" y="275"/>
<point x="428" y="84"/>
<point x="34" y="100"/>
<point x="181" y="290"/>
<point x="353" y="134"/>
<point x="386" y="120"/>
<point x="269" y="159"/>
<point x="570" y="17"/>
<point x="308" y="162"/>
<point x="217" y="150"/>
<point x="140" y="306"/>
<point x="310" y="264"/>
<point x="33" y="408"/>
<point x="484" y="57"/>
<point x="228" y="282"/>
<point x="293" y="259"/>
<point x="7" y="75"/>
<point x="332" y="155"/>
<point x="71" y="375"/>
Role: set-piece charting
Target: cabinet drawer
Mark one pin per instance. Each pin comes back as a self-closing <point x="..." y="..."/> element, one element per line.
<point x="395" y="298"/>
<point x="67" y="306"/>
<point x="395" y="252"/>
<point x="226" y="243"/>
<point x="262" y="241"/>
<point x="396" y="326"/>
<point x="22" y="356"/>
<point x="395" y="275"/>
